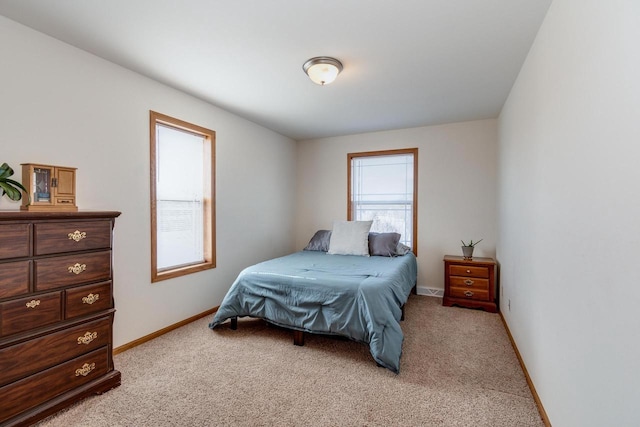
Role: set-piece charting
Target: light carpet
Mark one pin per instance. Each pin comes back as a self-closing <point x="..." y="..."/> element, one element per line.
<point x="457" y="369"/>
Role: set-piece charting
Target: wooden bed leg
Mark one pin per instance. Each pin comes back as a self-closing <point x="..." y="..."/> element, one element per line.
<point x="298" y="338"/>
<point x="234" y="323"/>
<point x="402" y="317"/>
<point x="415" y="289"/>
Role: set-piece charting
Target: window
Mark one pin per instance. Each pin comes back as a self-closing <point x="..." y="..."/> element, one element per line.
<point x="383" y="186"/>
<point x="182" y="197"/>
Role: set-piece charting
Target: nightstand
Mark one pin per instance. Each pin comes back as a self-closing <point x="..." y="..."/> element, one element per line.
<point x="470" y="282"/>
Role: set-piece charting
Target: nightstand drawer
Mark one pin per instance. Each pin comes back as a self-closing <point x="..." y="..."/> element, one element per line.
<point x="29" y="313"/>
<point x="14" y="278"/>
<point x="53" y="238"/>
<point x="32" y="356"/>
<point x="87" y="299"/>
<point x="468" y="271"/>
<point x="72" y="269"/>
<point x="471" y="294"/>
<point x="36" y="389"/>
<point x="15" y="240"/>
<point x="471" y="283"/>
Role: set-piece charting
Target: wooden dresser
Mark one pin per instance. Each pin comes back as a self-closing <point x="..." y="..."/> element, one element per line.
<point x="470" y="282"/>
<point x="56" y="311"/>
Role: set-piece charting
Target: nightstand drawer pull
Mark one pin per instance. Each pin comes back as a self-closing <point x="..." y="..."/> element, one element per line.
<point x="468" y="294"/>
<point x="77" y="268"/>
<point x="468" y="282"/>
<point x="90" y="299"/>
<point x="85" y="370"/>
<point x="469" y="271"/>
<point x="87" y="338"/>
<point x="77" y="235"/>
<point x="33" y="303"/>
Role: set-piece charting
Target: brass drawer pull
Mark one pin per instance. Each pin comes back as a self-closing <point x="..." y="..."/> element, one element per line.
<point x="85" y="370"/>
<point x="77" y="235"/>
<point x="469" y="271"/>
<point x="87" y="338"/>
<point x="468" y="282"/>
<point x="468" y="294"/>
<point x="77" y="268"/>
<point x="90" y="299"/>
<point x="33" y="303"/>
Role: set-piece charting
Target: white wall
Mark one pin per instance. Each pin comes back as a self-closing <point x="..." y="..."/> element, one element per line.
<point x="63" y="106"/>
<point x="456" y="188"/>
<point x="569" y="209"/>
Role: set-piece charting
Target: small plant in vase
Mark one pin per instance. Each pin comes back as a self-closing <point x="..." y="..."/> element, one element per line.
<point x="467" y="248"/>
<point x="8" y="186"/>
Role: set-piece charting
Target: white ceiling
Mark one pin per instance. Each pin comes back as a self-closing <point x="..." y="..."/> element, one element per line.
<point x="406" y="63"/>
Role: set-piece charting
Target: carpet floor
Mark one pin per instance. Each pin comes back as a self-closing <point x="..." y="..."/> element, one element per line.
<point x="457" y="369"/>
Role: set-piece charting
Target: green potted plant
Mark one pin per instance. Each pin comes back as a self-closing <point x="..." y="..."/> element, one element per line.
<point x="9" y="186"/>
<point x="467" y="248"/>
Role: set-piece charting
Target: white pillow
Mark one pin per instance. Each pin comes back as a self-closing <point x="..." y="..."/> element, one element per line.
<point x="350" y="238"/>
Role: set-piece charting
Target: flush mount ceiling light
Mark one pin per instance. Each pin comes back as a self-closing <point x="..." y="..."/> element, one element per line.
<point x="322" y="70"/>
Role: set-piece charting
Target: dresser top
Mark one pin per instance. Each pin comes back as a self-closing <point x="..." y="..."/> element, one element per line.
<point x="16" y="215"/>
<point x="474" y="260"/>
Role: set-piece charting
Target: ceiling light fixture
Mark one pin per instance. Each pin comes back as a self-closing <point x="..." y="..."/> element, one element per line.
<point x="322" y="70"/>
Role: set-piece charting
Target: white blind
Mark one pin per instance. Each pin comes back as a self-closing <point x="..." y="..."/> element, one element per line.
<point x="179" y="197"/>
<point x="382" y="191"/>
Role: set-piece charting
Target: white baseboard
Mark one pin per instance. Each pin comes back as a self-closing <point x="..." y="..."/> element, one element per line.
<point x="430" y="292"/>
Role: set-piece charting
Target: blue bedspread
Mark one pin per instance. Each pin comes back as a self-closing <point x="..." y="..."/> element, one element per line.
<point x="352" y="296"/>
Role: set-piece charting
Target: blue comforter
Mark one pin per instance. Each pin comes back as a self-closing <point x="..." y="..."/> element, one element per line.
<point x="352" y="296"/>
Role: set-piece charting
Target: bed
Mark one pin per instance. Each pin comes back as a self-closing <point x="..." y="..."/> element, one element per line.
<point x="359" y="297"/>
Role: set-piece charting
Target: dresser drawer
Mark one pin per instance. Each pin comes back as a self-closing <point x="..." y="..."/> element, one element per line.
<point x="38" y="388"/>
<point x="68" y="270"/>
<point x="40" y="353"/>
<point x="15" y="240"/>
<point x="468" y="271"/>
<point x="472" y="283"/>
<point x="57" y="237"/>
<point x="87" y="299"/>
<point x="471" y="294"/>
<point x="14" y="278"/>
<point x="31" y="312"/>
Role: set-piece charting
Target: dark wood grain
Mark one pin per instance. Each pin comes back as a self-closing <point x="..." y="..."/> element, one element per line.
<point x="38" y="388"/>
<point x="17" y="316"/>
<point x="97" y="386"/>
<point x="78" y="301"/>
<point x="53" y="237"/>
<point x="54" y="272"/>
<point x="31" y="356"/>
<point x="14" y="240"/>
<point x="41" y="347"/>
<point x="14" y="278"/>
<point x="6" y="215"/>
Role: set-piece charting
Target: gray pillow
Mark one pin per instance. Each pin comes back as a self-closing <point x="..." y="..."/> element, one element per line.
<point x="383" y="244"/>
<point x="402" y="249"/>
<point x="319" y="241"/>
